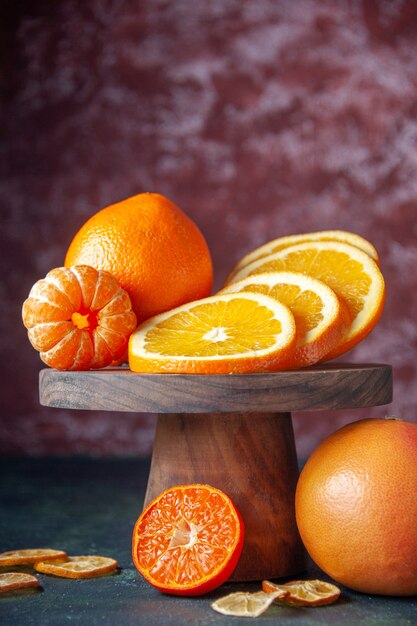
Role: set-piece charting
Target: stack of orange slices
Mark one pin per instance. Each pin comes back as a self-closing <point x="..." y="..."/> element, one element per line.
<point x="293" y="302"/>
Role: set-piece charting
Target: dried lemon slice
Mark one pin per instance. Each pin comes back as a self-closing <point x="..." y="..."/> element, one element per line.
<point x="304" y="592"/>
<point x="78" y="566"/>
<point x="17" y="580"/>
<point x="31" y="555"/>
<point x="246" y="604"/>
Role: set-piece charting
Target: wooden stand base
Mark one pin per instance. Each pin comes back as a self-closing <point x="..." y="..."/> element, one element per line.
<point x="252" y="458"/>
<point x="233" y="432"/>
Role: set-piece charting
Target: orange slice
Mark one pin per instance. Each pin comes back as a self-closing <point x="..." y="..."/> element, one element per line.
<point x="304" y="592"/>
<point x="246" y="604"/>
<point x="188" y="540"/>
<point x="31" y="555"/>
<point x="77" y="566"/>
<point x="17" y="580"/>
<point x="321" y="319"/>
<point x="351" y="273"/>
<point x="224" y="334"/>
<point x="324" y="235"/>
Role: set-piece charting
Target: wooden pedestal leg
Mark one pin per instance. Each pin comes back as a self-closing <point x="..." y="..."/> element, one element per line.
<point x="252" y="458"/>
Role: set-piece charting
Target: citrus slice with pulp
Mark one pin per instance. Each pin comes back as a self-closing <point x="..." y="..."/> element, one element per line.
<point x="224" y="334"/>
<point x="17" y="580"/>
<point x="321" y="319"/>
<point x="77" y="566"/>
<point x="290" y="240"/>
<point x="245" y="603"/>
<point x="304" y="592"/>
<point x="29" y="555"/>
<point x="188" y="540"/>
<point x="351" y="273"/>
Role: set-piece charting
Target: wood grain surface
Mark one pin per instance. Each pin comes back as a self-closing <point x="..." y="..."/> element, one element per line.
<point x="233" y="432"/>
<point x="252" y="460"/>
<point x="118" y="389"/>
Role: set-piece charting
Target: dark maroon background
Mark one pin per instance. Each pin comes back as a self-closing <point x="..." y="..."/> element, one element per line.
<point x="259" y="119"/>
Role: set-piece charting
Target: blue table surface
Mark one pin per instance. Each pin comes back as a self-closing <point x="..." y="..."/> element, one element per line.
<point x="89" y="506"/>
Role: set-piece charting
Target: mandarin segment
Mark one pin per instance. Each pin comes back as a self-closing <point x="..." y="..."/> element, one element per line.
<point x="66" y="281"/>
<point x="87" y="328"/>
<point x="176" y="545"/>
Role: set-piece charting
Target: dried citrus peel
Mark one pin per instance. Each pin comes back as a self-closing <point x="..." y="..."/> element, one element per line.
<point x="10" y="581"/>
<point x="295" y="593"/>
<point x="77" y="566"/>
<point x="30" y="555"/>
<point x="246" y="604"/>
<point x="304" y="592"/>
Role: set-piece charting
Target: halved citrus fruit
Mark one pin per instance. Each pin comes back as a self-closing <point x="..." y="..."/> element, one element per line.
<point x="224" y="334"/>
<point x="351" y="273"/>
<point x="188" y="540"/>
<point x="304" y="592"/>
<point x="10" y="581"/>
<point x="245" y="603"/>
<point x="290" y="240"/>
<point x="77" y="566"/>
<point x="29" y="555"/>
<point x="321" y="319"/>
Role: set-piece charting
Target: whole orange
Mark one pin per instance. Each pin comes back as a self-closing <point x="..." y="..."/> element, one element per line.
<point x="155" y="251"/>
<point x="356" y="506"/>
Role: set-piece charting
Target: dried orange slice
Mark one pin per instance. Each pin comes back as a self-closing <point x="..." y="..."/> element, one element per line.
<point x="321" y="319"/>
<point x="188" y="540"/>
<point x="77" y="566"/>
<point x="17" y="580"/>
<point x="304" y="592"/>
<point x="245" y="603"/>
<point x="224" y="334"/>
<point x="351" y="273"/>
<point x="323" y="235"/>
<point x="30" y="555"/>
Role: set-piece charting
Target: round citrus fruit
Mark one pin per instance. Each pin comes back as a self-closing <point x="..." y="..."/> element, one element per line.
<point x="188" y="540"/>
<point x="78" y="318"/>
<point x="356" y="506"/>
<point x="151" y="247"/>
